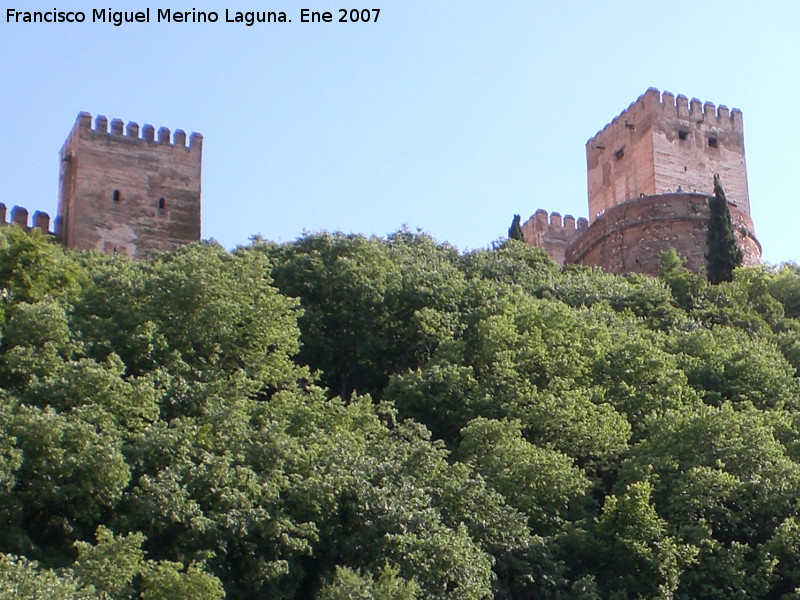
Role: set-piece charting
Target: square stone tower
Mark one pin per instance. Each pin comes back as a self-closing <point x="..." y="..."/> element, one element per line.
<point x="664" y="144"/>
<point x="122" y="193"/>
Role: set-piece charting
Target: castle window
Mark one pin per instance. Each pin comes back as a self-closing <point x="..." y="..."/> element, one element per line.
<point x="161" y="203"/>
<point x="682" y="135"/>
<point x="619" y="153"/>
<point x="712" y="142"/>
<point x="115" y="196"/>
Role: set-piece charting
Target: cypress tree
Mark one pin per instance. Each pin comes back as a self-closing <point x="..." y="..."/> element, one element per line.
<point x="515" y="231"/>
<point x="723" y="254"/>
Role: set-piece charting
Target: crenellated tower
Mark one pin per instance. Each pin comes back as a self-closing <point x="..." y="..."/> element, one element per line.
<point x="662" y="144"/>
<point x="122" y="192"/>
<point x="650" y="172"/>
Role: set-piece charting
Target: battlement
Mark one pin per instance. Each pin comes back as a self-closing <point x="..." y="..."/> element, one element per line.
<point x="715" y="116"/>
<point x="553" y="223"/>
<point x="19" y="216"/>
<point x="552" y="233"/>
<point x="650" y="173"/>
<point x="132" y="132"/>
<point x="654" y="103"/>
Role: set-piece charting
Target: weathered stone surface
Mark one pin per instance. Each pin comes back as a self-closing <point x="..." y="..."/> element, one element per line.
<point x="125" y="194"/>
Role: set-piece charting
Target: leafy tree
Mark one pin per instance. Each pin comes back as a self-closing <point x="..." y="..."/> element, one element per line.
<point x="639" y="558"/>
<point x="371" y="307"/>
<point x="724" y="482"/>
<point x="166" y="581"/>
<point x="111" y="564"/>
<point x="785" y="287"/>
<point x="116" y="567"/>
<point x="639" y="376"/>
<point x="350" y="585"/>
<point x="686" y="287"/>
<point x="33" y="267"/>
<point x="723" y="254"/>
<point x="521" y="265"/>
<point x="23" y="579"/>
<point x="199" y="311"/>
<point x="188" y="426"/>
<point x="71" y="473"/>
<point x="377" y="494"/>
<point x="725" y="364"/>
<point x="539" y="482"/>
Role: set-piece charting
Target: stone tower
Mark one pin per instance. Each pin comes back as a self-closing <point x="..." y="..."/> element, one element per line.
<point x="663" y="144"/>
<point x="650" y="172"/>
<point x="122" y="193"/>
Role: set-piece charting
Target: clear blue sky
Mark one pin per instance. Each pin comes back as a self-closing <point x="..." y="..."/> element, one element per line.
<point x="449" y="117"/>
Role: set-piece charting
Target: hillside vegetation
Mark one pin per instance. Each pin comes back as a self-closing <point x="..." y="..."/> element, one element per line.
<point x="343" y="417"/>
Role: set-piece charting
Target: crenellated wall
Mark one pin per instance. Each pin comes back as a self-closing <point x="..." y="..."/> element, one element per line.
<point x="630" y="237"/>
<point x="128" y="190"/>
<point x="552" y="234"/>
<point x="661" y="144"/>
<point x="19" y="216"/>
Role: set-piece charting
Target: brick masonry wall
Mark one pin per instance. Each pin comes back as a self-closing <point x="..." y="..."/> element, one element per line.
<point x="630" y="237"/>
<point x="119" y="192"/>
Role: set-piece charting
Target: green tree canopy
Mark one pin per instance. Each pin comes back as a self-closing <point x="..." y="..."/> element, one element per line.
<point x="353" y="417"/>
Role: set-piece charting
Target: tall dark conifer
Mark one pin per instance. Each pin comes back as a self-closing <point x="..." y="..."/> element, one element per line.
<point x="723" y="254"/>
<point x="515" y="231"/>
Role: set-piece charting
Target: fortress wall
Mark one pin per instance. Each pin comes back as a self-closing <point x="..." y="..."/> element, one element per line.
<point x="129" y="190"/>
<point x="19" y="216"/>
<point x="551" y="233"/>
<point x="630" y="237"/>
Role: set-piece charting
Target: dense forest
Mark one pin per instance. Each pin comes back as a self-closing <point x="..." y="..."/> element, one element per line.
<point x="343" y="417"/>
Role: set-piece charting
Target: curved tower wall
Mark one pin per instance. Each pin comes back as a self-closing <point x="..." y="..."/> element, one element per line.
<point x="630" y="237"/>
